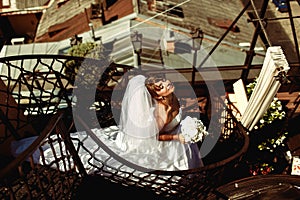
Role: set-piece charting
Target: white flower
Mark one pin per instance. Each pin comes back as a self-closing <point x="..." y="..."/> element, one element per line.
<point x="193" y="129"/>
<point x="273" y="104"/>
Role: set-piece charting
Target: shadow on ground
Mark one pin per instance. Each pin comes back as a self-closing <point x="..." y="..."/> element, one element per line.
<point x="100" y="188"/>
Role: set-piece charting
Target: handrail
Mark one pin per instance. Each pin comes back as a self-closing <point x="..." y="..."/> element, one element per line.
<point x="238" y="154"/>
<point x="200" y="175"/>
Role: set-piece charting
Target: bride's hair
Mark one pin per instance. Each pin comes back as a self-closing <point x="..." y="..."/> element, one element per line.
<point x="151" y="87"/>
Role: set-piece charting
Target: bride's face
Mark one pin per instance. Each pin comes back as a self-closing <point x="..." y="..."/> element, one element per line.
<point x="166" y="87"/>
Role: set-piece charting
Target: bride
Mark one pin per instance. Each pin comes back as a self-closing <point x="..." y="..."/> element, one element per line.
<point x="150" y="127"/>
<point x="148" y="134"/>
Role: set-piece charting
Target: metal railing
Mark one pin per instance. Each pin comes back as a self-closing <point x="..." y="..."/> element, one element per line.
<point x="37" y="94"/>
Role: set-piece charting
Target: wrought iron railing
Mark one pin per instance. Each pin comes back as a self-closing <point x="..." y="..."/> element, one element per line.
<point x="38" y="101"/>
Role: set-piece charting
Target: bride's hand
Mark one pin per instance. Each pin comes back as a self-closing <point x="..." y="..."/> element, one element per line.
<point x="181" y="139"/>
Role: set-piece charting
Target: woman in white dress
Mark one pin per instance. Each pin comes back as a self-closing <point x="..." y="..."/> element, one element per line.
<point x="148" y="136"/>
<point x="150" y="124"/>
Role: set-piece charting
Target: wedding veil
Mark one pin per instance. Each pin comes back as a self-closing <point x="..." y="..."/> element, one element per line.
<point x="137" y="121"/>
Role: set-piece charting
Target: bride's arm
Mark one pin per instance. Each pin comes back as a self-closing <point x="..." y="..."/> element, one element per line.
<point x="169" y="137"/>
<point x="161" y="115"/>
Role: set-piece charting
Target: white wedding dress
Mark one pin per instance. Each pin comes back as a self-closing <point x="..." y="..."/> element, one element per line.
<point x="166" y="155"/>
<point x="134" y="140"/>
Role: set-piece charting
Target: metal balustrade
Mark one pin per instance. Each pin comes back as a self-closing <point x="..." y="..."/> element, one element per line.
<point x="37" y="100"/>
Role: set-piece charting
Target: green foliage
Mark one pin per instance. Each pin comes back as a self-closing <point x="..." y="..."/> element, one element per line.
<point x="274" y="112"/>
<point x="85" y="50"/>
<point x="81" y="49"/>
<point x="272" y="143"/>
<point x="267" y="137"/>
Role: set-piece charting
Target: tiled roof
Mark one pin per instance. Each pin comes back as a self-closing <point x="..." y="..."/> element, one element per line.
<point x="31" y="3"/>
<point x="197" y="12"/>
<point x="61" y="21"/>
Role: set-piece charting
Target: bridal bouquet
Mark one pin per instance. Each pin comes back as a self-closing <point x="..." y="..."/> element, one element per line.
<point x="193" y="129"/>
